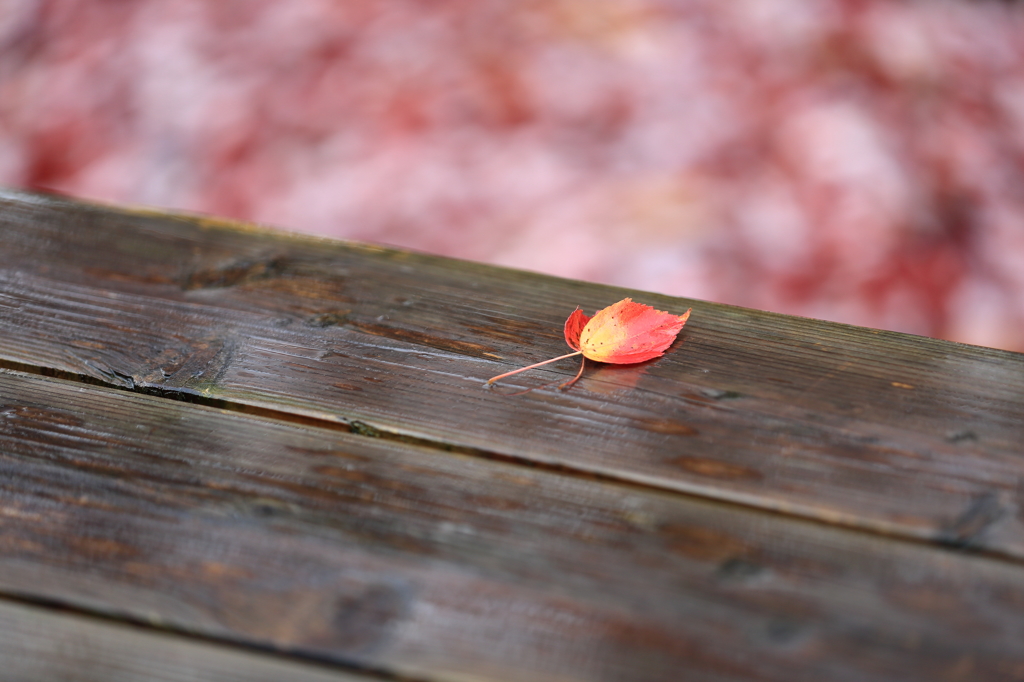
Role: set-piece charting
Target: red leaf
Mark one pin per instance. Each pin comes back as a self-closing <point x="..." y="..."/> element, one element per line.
<point x="628" y="332"/>
<point x="623" y="333"/>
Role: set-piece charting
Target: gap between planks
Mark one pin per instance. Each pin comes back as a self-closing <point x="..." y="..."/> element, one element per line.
<point x="217" y="654"/>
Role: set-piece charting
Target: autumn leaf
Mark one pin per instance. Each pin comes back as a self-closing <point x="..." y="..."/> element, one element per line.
<point x="623" y="333"/>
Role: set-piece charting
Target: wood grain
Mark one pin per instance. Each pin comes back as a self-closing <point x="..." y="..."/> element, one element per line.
<point x="42" y="644"/>
<point x="898" y="434"/>
<point x="414" y="562"/>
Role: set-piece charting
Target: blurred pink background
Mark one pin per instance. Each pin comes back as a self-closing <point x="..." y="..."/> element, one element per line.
<point x="852" y="160"/>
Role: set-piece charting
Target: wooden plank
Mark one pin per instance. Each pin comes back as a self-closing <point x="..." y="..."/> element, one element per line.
<point x="440" y="566"/>
<point x="41" y="644"/>
<point x="898" y="434"/>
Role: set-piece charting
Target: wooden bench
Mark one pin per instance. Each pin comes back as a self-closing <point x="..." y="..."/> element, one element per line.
<point x="233" y="453"/>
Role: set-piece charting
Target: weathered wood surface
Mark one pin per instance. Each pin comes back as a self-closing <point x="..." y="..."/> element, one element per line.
<point x="42" y="645"/>
<point x="412" y="561"/>
<point x="903" y="435"/>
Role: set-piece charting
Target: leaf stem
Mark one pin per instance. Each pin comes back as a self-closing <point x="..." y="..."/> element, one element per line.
<point x="570" y="382"/>
<point x="523" y="369"/>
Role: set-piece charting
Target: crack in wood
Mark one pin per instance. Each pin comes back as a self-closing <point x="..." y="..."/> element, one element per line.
<point x="235" y="273"/>
<point x="966" y="530"/>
